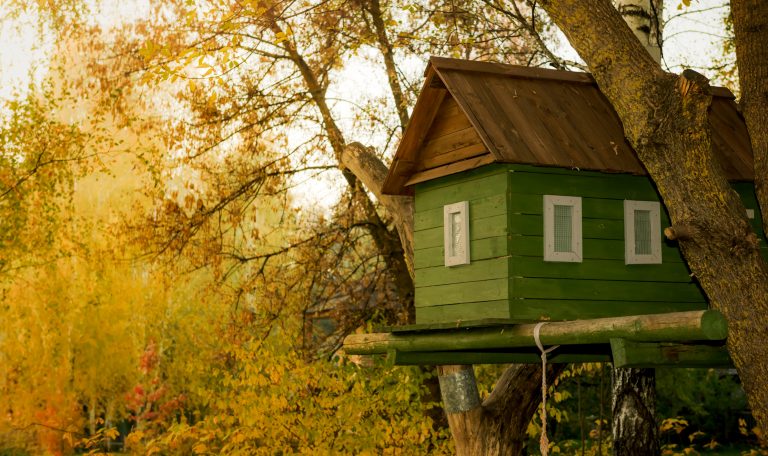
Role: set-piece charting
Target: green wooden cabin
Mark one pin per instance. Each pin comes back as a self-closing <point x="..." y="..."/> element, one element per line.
<point x="530" y="205"/>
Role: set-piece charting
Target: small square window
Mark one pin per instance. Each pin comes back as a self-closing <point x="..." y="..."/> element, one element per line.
<point x="642" y="232"/>
<point x="456" y="233"/>
<point x="562" y="228"/>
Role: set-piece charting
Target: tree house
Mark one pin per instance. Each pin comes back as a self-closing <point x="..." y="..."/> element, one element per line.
<point x="531" y="206"/>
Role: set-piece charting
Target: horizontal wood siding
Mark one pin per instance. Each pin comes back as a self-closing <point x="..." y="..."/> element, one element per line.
<point x="480" y="249"/>
<point x="464" y="311"/>
<point x="451" y="138"/>
<point x="508" y="278"/>
<point x="466" y="292"/>
<point x="601" y="285"/>
<point x="566" y="309"/>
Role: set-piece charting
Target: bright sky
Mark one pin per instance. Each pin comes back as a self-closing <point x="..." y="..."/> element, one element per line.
<point x="690" y="40"/>
<point x="20" y="50"/>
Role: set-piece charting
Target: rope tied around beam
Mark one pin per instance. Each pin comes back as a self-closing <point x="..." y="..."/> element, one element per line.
<point x="543" y="440"/>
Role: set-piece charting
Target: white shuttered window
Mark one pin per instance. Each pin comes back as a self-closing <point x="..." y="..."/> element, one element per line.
<point x="456" y="233"/>
<point x="562" y="228"/>
<point x="642" y="232"/>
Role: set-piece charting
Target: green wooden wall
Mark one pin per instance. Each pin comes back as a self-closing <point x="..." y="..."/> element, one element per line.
<point x="508" y="278"/>
<point x="480" y="289"/>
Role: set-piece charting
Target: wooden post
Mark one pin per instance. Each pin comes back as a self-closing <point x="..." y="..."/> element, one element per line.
<point x="461" y="402"/>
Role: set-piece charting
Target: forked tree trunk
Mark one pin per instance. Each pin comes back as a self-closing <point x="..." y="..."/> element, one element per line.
<point x="665" y="119"/>
<point x="497" y="426"/>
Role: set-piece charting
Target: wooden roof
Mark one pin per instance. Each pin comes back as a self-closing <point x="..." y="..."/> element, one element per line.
<point x="473" y="113"/>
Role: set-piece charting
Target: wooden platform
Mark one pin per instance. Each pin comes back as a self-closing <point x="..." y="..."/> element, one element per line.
<point x="680" y="339"/>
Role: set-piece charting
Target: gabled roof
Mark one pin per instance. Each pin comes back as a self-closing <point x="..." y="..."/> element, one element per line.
<point x="533" y="116"/>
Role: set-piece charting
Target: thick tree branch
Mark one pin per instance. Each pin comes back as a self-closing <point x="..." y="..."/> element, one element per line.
<point x="386" y="241"/>
<point x="364" y="163"/>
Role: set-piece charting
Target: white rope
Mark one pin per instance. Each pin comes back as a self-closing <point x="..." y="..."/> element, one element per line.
<point x="543" y="440"/>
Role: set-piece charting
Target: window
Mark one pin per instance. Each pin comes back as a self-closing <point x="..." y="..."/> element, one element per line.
<point x="562" y="228"/>
<point x="642" y="232"/>
<point x="456" y="233"/>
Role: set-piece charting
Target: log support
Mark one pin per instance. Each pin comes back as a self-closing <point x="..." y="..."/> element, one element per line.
<point x="683" y="339"/>
<point x="668" y="327"/>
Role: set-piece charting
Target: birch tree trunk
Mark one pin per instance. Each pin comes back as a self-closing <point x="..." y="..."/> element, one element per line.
<point x="665" y="119"/>
<point x="633" y="426"/>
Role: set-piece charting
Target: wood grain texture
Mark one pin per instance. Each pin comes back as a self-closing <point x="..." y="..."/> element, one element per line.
<point x="539" y="117"/>
<point x="703" y="325"/>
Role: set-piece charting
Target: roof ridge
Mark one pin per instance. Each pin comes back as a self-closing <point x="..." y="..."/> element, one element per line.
<point x="520" y="71"/>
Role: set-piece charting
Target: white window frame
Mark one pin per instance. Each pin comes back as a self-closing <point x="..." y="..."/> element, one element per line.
<point x="461" y="256"/>
<point x="630" y="257"/>
<point x="550" y="201"/>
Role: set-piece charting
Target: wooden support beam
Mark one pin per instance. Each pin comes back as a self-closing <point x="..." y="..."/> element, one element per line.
<point x="465" y="358"/>
<point x="652" y="354"/>
<point x="669" y="327"/>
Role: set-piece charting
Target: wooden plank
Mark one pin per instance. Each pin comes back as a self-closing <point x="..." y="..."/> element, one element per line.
<point x="445" y="123"/>
<point x="447" y="170"/>
<point x="560" y="170"/>
<point x="479" y="228"/>
<point x="480" y="249"/>
<point x="446" y="143"/>
<point x="495" y="169"/>
<point x="671" y="327"/>
<point x="460" y="154"/>
<point x="604" y="290"/>
<point x="427" y="327"/>
<point x="465" y="292"/>
<point x="479" y="208"/>
<point x="591" y="208"/>
<point x="427" y="105"/>
<point x="463" y="311"/>
<point x="448" y="107"/>
<point x="486" y="115"/>
<point x="649" y="354"/>
<point x="531" y="225"/>
<point x="607" y="249"/>
<point x="401" y="358"/>
<point x="442" y="63"/>
<point x="568" y="309"/>
<point x="495" y="268"/>
<point x="599" y="269"/>
<point x="590" y="187"/>
<point x="462" y="190"/>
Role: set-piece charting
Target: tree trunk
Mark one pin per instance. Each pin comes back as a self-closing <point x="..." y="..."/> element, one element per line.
<point x="497" y="426"/>
<point x="633" y="426"/>
<point x="634" y="408"/>
<point x="644" y="19"/>
<point x="750" y="25"/>
<point x="665" y="119"/>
